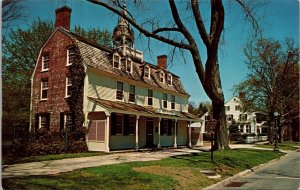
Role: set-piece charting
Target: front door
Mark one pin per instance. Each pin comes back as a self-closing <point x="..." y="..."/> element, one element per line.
<point x="149" y="133"/>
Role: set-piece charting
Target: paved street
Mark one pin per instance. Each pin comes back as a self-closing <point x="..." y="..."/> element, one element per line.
<point x="279" y="175"/>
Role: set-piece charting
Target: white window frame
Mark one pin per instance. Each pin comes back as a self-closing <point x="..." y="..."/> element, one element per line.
<point x="150" y="97"/>
<point x="173" y="102"/>
<point x="128" y="61"/>
<point x="119" y="61"/>
<point x="44" y="88"/>
<point x="68" y="55"/>
<point x="65" y="119"/>
<point x="169" y="79"/>
<point x="68" y="85"/>
<point x="119" y="90"/>
<point x="162" y="76"/>
<point x="148" y="69"/>
<point x="43" y="62"/>
<point x="131" y="92"/>
<point x="41" y="117"/>
<point x="165" y="100"/>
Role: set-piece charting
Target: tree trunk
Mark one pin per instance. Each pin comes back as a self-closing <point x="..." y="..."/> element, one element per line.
<point x="221" y="132"/>
<point x="271" y="128"/>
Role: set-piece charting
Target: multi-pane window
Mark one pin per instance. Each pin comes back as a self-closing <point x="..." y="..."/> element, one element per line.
<point x="132" y="93"/>
<point x="118" y="124"/>
<point x="227" y="108"/>
<point x="229" y="117"/>
<point x="161" y="76"/>
<point x="169" y="79"/>
<point x="119" y="95"/>
<point x="150" y="97"/>
<point x="248" y="129"/>
<point x="237" y="107"/>
<point x="131" y="125"/>
<point x="172" y="102"/>
<point x="129" y="65"/>
<point x="44" y="89"/>
<point x="68" y="120"/>
<point x="71" y="56"/>
<point x="147" y="72"/>
<point x="116" y="61"/>
<point x="68" y="87"/>
<point x="167" y="127"/>
<point x="43" y="121"/>
<point x="165" y="100"/>
<point x="243" y="117"/>
<point x="45" y="62"/>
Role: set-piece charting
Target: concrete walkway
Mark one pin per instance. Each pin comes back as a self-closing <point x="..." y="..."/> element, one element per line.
<point x="65" y="165"/>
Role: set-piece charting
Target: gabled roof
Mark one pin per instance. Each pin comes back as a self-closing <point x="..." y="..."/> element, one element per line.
<point x="100" y="58"/>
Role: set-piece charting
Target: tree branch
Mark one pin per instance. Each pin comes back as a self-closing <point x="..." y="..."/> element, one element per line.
<point x="166" y="30"/>
<point x="141" y="29"/>
<point x="199" y="23"/>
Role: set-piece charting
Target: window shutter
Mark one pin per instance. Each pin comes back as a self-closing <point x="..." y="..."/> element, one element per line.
<point x="36" y="127"/>
<point x="61" y="121"/>
<point x="113" y="127"/>
<point x="126" y="124"/>
<point x="48" y="121"/>
<point x="170" y="126"/>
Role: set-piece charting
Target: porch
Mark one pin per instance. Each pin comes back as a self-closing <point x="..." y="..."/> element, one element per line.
<point x="119" y="126"/>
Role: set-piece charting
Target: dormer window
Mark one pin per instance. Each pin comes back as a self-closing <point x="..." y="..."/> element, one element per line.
<point x="71" y="56"/>
<point x="116" y="61"/>
<point x="162" y="76"/>
<point x="45" y="62"/>
<point x="129" y="65"/>
<point x="147" y="72"/>
<point x="169" y="79"/>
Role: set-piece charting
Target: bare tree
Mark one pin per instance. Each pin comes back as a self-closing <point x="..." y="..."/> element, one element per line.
<point x="208" y="73"/>
<point x="272" y="84"/>
<point x="10" y="12"/>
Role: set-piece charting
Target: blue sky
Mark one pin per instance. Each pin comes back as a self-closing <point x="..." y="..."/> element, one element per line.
<point x="279" y="20"/>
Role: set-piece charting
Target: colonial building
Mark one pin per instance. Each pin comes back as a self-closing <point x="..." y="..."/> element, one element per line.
<point x="123" y="101"/>
<point x="247" y="122"/>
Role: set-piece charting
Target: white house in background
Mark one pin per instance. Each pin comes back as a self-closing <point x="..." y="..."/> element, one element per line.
<point x="197" y="130"/>
<point x="246" y="121"/>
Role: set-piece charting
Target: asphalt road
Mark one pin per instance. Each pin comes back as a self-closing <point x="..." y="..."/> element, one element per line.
<point x="283" y="174"/>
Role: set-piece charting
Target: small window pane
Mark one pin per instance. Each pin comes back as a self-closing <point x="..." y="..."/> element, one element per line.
<point x="119" y="94"/>
<point x="150" y="97"/>
<point x="45" y="59"/>
<point x="132" y="93"/>
<point x="71" y="56"/>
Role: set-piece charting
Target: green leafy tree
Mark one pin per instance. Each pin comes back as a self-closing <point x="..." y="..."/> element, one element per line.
<point x="272" y="84"/>
<point x="96" y="35"/>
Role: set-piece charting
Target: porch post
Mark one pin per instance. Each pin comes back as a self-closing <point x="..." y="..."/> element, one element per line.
<point x="190" y="134"/>
<point x="175" y="135"/>
<point x="137" y="132"/>
<point x="107" y="123"/>
<point x="158" y="144"/>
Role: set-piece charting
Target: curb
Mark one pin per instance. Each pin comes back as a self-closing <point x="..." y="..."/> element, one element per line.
<point x="243" y="173"/>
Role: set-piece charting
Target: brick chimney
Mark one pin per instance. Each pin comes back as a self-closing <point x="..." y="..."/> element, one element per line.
<point x="242" y="95"/>
<point x="63" y="17"/>
<point x="162" y="61"/>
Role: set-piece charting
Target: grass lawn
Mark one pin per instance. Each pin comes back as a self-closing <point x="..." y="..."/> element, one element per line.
<point x="13" y="160"/>
<point x="284" y="146"/>
<point x="180" y="172"/>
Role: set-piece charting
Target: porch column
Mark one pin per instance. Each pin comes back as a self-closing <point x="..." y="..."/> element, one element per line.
<point x="107" y="123"/>
<point x="175" y="134"/>
<point x="137" y="132"/>
<point x="190" y="134"/>
<point x="158" y="144"/>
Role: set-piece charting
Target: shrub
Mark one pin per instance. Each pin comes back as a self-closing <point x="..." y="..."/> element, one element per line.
<point x="44" y="142"/>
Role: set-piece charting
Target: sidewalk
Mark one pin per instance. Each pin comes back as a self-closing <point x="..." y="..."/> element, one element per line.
<point x="65" y="165"/>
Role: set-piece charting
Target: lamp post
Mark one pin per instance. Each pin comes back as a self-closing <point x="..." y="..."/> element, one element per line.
<point x="276" y="130"/>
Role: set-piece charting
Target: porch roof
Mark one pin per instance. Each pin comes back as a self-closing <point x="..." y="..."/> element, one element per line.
<point x="142" y="110"/>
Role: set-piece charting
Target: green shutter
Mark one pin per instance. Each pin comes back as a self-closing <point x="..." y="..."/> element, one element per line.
<point x="61" y="121"/>
<point x="126" y="124"/>
<point x="113" y="127"/>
